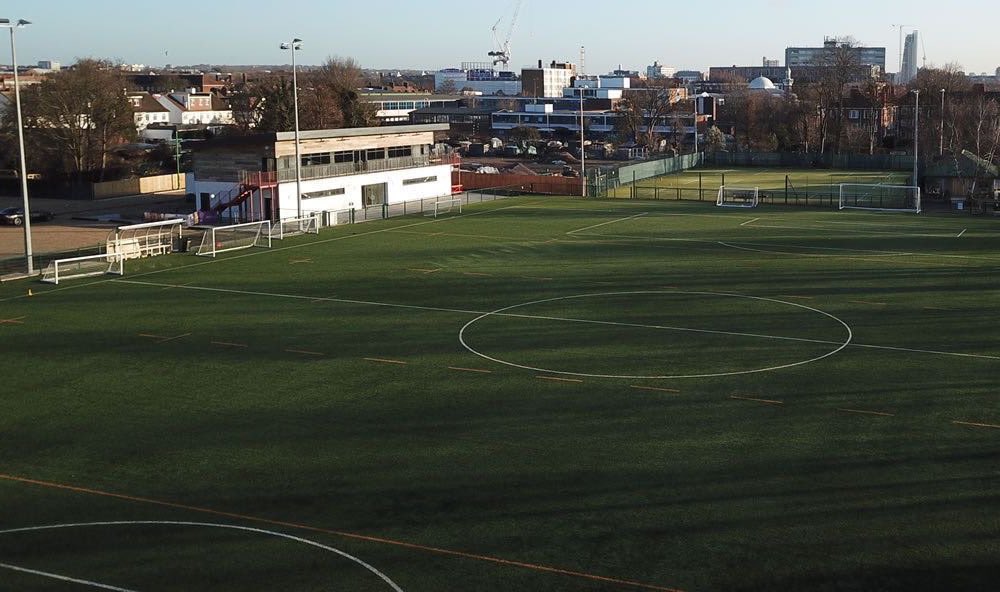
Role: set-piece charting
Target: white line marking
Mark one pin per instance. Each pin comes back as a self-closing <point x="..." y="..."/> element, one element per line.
<point x="961" y="233"/>
<point x="282" y="535"/>
<point x="749" y="221"/>
<point x="639" y="215"/>
<point x="53" y="576"/>
<point x="546" y="318"/>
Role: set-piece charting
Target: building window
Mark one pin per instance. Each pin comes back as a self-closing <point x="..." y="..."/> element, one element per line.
<point x="854" y="114"/>
<point x="375" y="154"/>
<point x="400" y="152"/>
<point x="419" y="180"/>
<point x="344" y="156"/>
<point x="315" y="159"/>
<point x="324" y="193"/>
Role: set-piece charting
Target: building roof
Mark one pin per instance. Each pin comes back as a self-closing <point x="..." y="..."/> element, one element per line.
<point x="761" y="83"/>
<point x="147" y="104"/>
<point x="348" y="132"/>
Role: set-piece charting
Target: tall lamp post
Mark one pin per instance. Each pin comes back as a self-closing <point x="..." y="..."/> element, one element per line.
<point x="293" y="46"/>
<point x="916" y="135"/>
<point x="941" y="140"/>
<point x="696" y="124"/>
<point x="583" y="151"/>
<point x="21" y="23"/>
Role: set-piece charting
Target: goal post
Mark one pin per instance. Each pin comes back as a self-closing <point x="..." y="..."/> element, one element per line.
<point x="295" y="226"/>
<point x="880" y="197"/>
<point x="738" y="197"/>
<point x="445" y="205"/>
<point x="86" y="266"/>
<point x="221" y="239"/>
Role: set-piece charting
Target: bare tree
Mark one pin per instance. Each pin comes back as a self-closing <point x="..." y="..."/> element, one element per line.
<point x="75" y="117"/>
<point x="642" y="110"/>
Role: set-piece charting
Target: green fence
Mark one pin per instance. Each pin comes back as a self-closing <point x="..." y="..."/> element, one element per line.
<point x="879" y="162"/>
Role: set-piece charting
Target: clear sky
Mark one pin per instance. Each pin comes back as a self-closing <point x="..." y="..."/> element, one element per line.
<point x="432" y="34"/>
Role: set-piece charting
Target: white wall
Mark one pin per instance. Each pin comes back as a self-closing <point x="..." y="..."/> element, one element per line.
<point x="396" y="192"/>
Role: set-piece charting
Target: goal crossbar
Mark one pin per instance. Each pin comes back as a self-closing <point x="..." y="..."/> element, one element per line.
<point x="738" y="197"/>
<point x="445" y="205"/>
<point x="295" y="226"/>
<point x="880" y="197"/>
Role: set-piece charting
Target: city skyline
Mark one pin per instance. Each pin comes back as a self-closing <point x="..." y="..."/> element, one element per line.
<point x="440" y="35"/>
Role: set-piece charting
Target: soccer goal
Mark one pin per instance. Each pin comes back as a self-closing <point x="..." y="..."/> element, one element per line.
<point x="87" y="266"/>
<point x="294" y="226"/>
<point x="738" y="197"/>
<point x="879" y="197"/>
<point x="145" y="240"/>
<point x="221" y="239"/>
<point x="445" y="205"/>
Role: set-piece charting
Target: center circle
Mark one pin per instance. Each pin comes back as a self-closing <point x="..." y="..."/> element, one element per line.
<point x="732" y="305"/>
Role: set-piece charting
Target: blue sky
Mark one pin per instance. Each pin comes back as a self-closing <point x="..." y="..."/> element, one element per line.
<point x="432" y="34"/>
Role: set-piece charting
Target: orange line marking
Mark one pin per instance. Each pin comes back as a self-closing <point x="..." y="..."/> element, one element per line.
<point x="767" y="401"/>
<point x="14" y="321"/>
<point x="426" y="270"/>
<point x="868" y="302"/>
<point x="151" y="336"/>
<point x="476" y="274"/>
<point x="228" y="344"/>
<point x="296" y="261"/>
<point x="165" y="339"/>
<point x="350" y="535"/>
<point x="460" y="369"/>
<point x="866" y="412"/>
<point x="977" y="425"/>
<point x="302" y="351"/>
<point x="799" y="297"/>
<point x="384" y="361"/>
<point x="654" y="388"/>
<point x="558" y="379"/>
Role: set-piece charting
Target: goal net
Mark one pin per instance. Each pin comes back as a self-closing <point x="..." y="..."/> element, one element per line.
<point x="446" y="205"/>
<point x="221" y="239"/>
<point x="884" y="198"/>
<point x="738" y="197"/>
<point x="87" y="266"/>
<point x="295" y="226"/>
<point x="145" y="240"/>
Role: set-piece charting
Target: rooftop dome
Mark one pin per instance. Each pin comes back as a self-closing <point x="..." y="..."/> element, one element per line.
<point x="761" y="83"/>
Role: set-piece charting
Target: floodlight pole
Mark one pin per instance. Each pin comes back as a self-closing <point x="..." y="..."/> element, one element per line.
<point x="916" y="135"/>
<point x="696" y="124"/>
<point x="293" y="46"/>
<point x="21" y="23"/>
<point x="583" y="151"/>
<point x="941" y="140"/>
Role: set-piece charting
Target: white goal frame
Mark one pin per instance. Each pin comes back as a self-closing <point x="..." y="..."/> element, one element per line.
<point x="295" y="226"/>
<point x="239" y="236"/>
<point x="848" y="193"/>
<point x="445" y="205"/>
<point x="727" y="190"/>
<point x="86" y="266"/>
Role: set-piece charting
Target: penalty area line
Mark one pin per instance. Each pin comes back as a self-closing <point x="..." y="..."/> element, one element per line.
<point x="349" y="535"/>
<point x="62" y="578"/>
<point x="977" y="424"/>
<point x="756" y="400"/>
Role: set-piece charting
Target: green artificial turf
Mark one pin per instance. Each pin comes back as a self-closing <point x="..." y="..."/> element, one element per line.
<point x="537" y="394"/>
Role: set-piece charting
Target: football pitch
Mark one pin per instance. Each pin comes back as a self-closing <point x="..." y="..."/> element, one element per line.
<point x="539" y="393"/>
<point x="821" y="185"/>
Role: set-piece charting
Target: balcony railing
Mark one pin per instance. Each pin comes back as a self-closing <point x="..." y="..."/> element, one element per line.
<point x="322" y="171"/>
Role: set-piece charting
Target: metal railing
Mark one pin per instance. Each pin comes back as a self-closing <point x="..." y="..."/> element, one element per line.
<point x="322" y="171"/>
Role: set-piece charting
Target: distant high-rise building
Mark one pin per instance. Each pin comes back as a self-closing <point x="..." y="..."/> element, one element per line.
<point x="768" y="63"/>
<point x="658" y="70"/>
<point x="909" y="70"/>
<point x="806" y="57"/>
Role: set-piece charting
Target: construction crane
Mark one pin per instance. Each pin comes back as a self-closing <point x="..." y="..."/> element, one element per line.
<point x="501" y="55"/>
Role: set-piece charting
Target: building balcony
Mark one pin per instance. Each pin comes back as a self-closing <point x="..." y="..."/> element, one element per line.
<point x="341" y="169"/>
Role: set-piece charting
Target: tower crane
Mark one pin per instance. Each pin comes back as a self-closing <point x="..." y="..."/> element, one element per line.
<point x="501" y="55"/>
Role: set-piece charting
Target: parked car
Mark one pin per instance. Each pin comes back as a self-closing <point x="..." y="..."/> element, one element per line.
<point x="15" y="216"/>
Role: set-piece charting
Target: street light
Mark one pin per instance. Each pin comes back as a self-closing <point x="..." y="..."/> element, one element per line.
<point x="941" y="140"/>
<point x="293" y="46"/>
<point x="583" y="153"/>
<point x="21" y="23"/>
<point x="916" y="135"/>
